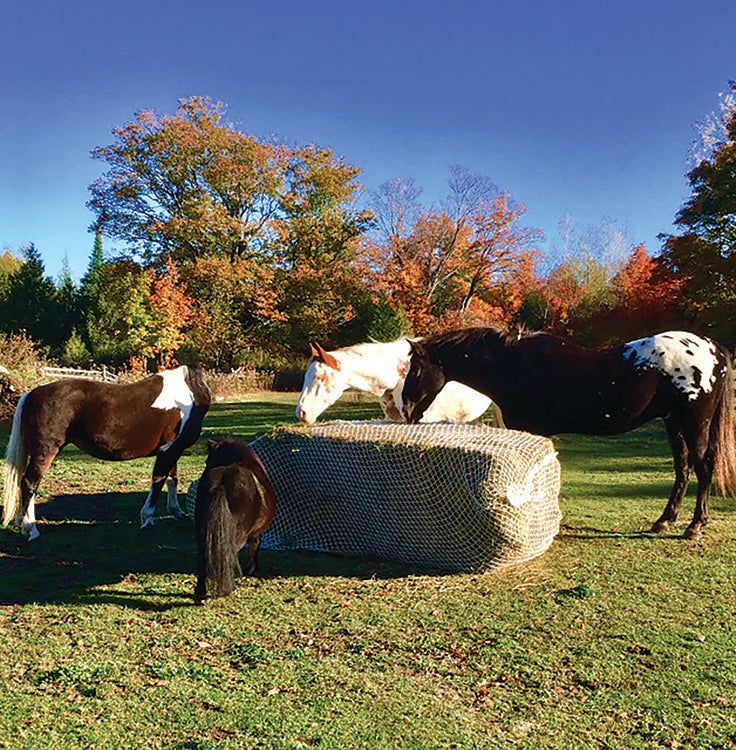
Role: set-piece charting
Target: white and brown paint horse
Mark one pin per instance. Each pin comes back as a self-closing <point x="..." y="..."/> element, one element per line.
<point x="549" y="385"/>
<point x="160" y="416"/>
<point x="379" y="368"/>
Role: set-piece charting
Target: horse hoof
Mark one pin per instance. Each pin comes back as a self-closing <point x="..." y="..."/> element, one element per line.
<point x="178" y="514"/>
<point x="693" y="533"/>
<point x="145" y="523"/>
<point x="660" y="527"/>
<point x="32" y="534"/>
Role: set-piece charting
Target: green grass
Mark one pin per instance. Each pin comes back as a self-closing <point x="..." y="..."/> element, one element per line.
<point x="613" y="638"/>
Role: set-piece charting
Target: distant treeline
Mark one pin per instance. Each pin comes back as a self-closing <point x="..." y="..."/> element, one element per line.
<point x="238" y="251"/>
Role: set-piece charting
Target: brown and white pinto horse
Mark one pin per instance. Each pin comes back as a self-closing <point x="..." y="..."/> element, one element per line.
<point x="549" y="385"/>
<point x="379" y="368"/>
<point x="160" y="416"/>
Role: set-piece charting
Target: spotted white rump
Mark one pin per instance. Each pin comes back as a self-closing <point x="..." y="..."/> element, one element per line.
<point x="690" y="361"/>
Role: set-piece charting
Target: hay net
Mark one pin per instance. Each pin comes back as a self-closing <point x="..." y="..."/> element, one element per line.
<point x="446" y="496"/>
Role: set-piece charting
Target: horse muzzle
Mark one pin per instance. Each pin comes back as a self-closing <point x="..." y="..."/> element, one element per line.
<point x="302" y="416"/>
<point x="407" y="411"/>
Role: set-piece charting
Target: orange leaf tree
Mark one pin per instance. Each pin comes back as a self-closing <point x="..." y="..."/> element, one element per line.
<point x="444" y="267"/>
<point x="171" y="311"/>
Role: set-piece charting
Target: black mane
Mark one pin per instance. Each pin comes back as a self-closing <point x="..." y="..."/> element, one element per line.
<point x="478" y="336"/>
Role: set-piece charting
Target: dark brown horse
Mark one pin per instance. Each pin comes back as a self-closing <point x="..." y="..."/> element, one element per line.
<point x="160" y="416"/>
<point x="549" y="385"/>
<point x="235" y="505"/>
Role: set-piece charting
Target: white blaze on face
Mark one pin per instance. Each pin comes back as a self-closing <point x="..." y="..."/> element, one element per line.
<point x="323" y="385"/>
<point x="688" y="360"/>
<point x="175" y="394"/>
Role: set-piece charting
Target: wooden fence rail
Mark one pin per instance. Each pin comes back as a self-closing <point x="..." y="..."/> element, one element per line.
<point x="104" y="375"/>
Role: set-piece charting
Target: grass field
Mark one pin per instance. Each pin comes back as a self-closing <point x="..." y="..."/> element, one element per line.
<point x="614" y="638"/>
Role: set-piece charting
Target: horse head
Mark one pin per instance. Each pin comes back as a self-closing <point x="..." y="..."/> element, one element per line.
<point x="324" y="383"/>
<point x="423" y="382"/>
<point x="225" y="450"/>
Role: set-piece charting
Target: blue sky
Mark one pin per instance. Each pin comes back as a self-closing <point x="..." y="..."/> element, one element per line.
<point x="580" y="108"/>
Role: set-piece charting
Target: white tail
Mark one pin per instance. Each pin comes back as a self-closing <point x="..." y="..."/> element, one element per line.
<point x="16" y="460"/>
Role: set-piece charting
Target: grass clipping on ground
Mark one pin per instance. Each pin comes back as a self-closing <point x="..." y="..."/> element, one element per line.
<point x="441" y="496"/>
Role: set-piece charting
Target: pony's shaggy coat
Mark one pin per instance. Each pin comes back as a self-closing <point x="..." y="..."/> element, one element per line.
<point x="235" y="505"/>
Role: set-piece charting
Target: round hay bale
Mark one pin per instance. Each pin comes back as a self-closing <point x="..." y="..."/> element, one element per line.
<point x="460" y="497"/>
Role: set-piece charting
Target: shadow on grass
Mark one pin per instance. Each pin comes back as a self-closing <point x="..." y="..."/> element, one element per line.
<point x="91" y="544"/>
<point x="590" y="532"/>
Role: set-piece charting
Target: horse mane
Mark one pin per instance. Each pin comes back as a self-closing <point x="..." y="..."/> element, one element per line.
<point x="364" y="348"/>
<point x="472" y="337"/>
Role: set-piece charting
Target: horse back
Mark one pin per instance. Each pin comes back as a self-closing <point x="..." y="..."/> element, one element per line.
<point x="562" y="387"/>
<point x="249" y="494"/>
<point x="107" y="420"/>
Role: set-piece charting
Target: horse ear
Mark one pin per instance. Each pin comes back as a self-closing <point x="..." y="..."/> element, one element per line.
<point x="313" y="352"/>
<point x="327" y="358"/>
<point x="415" y="347"/>
<point x="213" y="443"/>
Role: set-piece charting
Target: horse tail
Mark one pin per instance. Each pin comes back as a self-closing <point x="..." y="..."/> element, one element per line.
<point x="724" y="432"/>
<point x="220" y="550"/>
<point x="16" y="461"/>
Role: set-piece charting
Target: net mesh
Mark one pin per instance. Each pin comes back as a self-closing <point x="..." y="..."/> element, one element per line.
<point x="462" y="497"/>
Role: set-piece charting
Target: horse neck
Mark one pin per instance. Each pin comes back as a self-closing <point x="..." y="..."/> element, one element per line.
<point x="468" y="364"/>
<point x="377" y="362"/>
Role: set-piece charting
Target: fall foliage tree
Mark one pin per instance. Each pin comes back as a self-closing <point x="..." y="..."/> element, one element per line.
<point x="233" y="309"/>
<point x="443" y="267"/>
<point x="171" y="311"/>
<point x="9" y="264"/>
<point x="648" y="295"/>
<point x="190" y="186"/>
<point x="187" y="185"/>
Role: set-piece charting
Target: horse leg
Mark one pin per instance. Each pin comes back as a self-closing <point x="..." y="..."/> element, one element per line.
<point x="251" y="560"/>
<point x="683" y="466"/>
<point x="161" y="469"/>
<point x="172" y="498"/>
<point x="25" y="519"/>
<point x="704" y="463"/>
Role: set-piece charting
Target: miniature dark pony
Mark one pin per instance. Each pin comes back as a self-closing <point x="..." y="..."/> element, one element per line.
<point x="548" y="385"/>
<point x="160" y="416"/>
<point x="235" y="505"/>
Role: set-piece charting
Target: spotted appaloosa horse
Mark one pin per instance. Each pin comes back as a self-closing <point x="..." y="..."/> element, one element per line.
<point x="379" y="368"/>
<point x="236" y="503"/>
<point x="548" y="385"/>
<point x="160" y="416"/>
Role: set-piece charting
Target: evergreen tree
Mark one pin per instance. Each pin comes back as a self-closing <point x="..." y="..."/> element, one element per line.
<point x="94" y="268"/>
<point x="75" y="352"/>
<point x="90" y="288"/>
<point x="30" y="302"/>
<point x="68" y="307"/>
